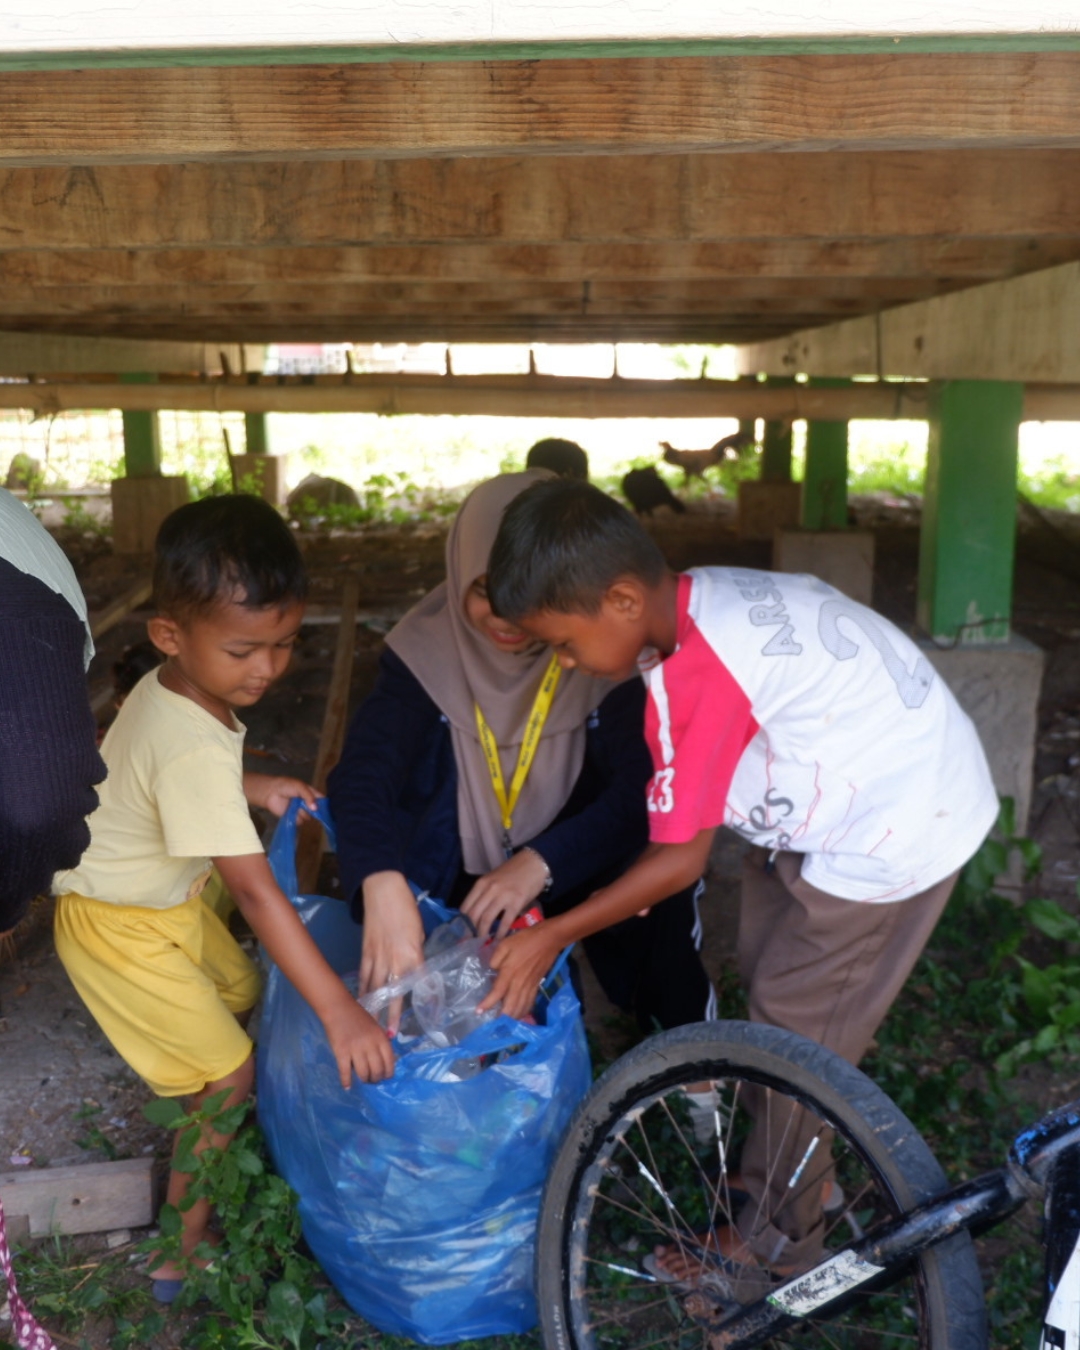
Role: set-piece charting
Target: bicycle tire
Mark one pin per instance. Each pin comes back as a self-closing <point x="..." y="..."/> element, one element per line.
<point x="597" y="1213"/>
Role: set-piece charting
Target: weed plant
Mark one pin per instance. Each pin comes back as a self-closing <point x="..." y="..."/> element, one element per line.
<point x="989" y="1017"/>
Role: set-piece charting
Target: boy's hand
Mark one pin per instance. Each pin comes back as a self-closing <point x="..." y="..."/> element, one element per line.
<point x="506" y="892"/>
<point x="358" y="1043"/>
<point x="275" y="793"/>
<point x="521" y="961"/>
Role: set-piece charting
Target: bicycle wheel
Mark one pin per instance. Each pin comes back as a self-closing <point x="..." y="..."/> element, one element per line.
<point x="632" y="1174"/>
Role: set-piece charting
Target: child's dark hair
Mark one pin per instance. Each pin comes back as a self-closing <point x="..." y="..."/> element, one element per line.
<point x="561" y="545"/>
<point x="565" y="458"/>
<point x="220" y="549"/>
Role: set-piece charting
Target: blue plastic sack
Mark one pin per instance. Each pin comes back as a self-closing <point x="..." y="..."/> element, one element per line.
<point x="419" y="1198"/>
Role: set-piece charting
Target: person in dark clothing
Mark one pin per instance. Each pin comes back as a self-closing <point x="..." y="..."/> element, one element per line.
<point x="48" y="753"/>
<point x="416" y="799"/>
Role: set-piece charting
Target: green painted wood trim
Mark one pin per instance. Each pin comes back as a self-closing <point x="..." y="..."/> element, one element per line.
<point x="968" y="537"/>
<point x="256" y="440"/>
<point x="142" y="440"/>
<point x="824" y="497"/>
<point x="541" y="51"/>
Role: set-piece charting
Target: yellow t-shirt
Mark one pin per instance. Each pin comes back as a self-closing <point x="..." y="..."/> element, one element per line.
<point x="174" y="799"/>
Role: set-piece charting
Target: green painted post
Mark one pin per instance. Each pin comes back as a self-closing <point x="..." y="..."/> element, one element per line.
<point x="142" y="440"/>
<point x="968" y="532"/>
<point x="256" y="440"/>
<point x="824" y="498"/>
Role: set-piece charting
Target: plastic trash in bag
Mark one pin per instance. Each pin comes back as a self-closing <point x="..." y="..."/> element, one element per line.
<point x="439" y="999"/>
<point x="418" y="1195"/>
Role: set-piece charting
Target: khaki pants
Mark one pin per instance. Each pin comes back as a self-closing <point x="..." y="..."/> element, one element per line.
<point x="830" y="970"/>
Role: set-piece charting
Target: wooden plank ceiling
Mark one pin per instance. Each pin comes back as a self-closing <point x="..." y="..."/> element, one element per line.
<point x="704" y="199"/>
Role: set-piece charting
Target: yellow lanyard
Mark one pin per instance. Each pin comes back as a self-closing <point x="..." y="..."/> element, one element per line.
<point x="540" y="709"/>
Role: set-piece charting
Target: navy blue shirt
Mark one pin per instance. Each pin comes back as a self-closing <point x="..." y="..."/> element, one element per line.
<point x="394" y="793"/>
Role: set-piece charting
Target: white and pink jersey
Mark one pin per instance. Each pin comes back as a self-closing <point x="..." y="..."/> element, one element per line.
<point x="805" y="721"/>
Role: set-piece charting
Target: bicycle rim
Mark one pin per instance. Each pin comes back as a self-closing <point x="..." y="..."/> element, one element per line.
<point x="644" y="1168"/>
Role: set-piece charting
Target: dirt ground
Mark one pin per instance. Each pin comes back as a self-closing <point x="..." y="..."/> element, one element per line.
<point x="65" y="1097"/>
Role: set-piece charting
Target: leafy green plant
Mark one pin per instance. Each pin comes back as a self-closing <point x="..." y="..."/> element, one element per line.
<point x="265" y="1293"/>
<point x="77" y="517"/>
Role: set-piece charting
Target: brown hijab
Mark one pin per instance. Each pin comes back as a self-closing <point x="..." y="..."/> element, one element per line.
<point x="459" y="668"/>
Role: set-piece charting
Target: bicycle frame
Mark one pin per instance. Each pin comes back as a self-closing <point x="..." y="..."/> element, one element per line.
<point x="1043" y="1158"/>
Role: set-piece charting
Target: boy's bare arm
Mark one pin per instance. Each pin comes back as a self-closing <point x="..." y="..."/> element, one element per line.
<point x="523" y="959"/>
<point x="357" y="1041"/>
<point x="274" y="792"/>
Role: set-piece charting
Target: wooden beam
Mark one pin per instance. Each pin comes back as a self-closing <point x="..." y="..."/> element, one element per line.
<point x="976" y="259"/>
<point x="1027" y="328"/>
<point x="309" y="848"/>
<point x="21" y="353"/>
<point x="437" y="306"/>
<point x="120" y="608"/>
<point x="655" y="199"/>
<point x="693" y="103"/>
<point x="521" y="396"/>
<point x="89" y="1198"/>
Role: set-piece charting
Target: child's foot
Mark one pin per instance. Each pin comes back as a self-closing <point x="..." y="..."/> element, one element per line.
<point x="718" y="1260"/>
<point x="168" y="1277"/>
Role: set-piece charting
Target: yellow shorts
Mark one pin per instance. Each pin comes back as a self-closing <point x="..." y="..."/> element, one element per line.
<point x="163" y="985"/>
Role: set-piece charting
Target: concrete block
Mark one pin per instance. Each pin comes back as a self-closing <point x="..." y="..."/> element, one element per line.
<point x="843" y="558"/>
<point x="767" y="507"/>
<point x="262" y="473"/>
<point x="139" y="505"/>
<point x="998" y="687"/>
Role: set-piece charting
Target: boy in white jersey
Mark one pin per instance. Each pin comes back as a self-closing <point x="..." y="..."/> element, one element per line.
<point x="800" y="719"/>
<point x="163" y="977"/>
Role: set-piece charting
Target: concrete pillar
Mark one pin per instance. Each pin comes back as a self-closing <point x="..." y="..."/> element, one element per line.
<point x="843" y="558"/>
<point x="968" y="533"/>
<point x="824" y="500"/>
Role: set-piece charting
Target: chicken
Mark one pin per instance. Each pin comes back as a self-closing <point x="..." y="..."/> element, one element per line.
<point x="695" y="462"/>
<point x="645" y="490"/>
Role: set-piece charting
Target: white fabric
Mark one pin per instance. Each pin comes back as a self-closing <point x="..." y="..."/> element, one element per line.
<point x="27" y="545"/>
<point x="859" y="757"/>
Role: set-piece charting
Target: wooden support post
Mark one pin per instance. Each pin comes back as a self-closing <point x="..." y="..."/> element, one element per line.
<point x="309" y="847"/>
<point x="824" y="500"/>
<point x="969" y="512"/>
<point x="776" y="446"/>
<point x="142" y="441"/>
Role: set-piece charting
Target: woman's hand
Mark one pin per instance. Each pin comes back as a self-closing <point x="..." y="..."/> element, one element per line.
<point x="506" y="892"/>
<point x="275" y="792"/>
<point x="393" y="935"/>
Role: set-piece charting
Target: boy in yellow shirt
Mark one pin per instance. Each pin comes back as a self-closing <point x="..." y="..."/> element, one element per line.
<point x="163" y="977"/>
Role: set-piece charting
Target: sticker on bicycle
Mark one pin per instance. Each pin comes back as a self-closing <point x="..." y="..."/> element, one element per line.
<point x="821" y="1285"/>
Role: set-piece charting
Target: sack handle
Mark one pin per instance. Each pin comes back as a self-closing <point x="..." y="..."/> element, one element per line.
<point x="281" y="854"/>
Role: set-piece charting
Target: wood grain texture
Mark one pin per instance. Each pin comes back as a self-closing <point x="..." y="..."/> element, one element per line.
<point x="90" y="1198"/>
<point x="608" y="106"/>
<point x="746" y="261"/>
<point x="653" y="199"/>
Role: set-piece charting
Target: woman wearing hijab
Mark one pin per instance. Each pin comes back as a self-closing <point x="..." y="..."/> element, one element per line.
<point x="491" y="779"/>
